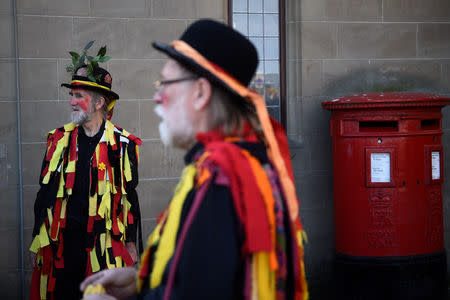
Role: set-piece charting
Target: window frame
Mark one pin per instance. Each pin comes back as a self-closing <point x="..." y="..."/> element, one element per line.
<point x="282" y="53"/>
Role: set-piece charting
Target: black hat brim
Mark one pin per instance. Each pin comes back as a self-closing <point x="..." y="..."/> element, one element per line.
<point x="193" y="66"/>
<point x="109" y="94"/>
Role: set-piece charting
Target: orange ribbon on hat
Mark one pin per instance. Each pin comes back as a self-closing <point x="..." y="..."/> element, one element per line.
<point x="263" y="116"/>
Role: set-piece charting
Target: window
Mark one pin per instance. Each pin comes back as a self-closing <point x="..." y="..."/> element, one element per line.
<point x="259" y="20"/>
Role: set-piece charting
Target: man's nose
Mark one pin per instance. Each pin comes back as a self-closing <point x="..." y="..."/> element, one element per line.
<point x="157" y="98"/>
<point x="73" y="102"/>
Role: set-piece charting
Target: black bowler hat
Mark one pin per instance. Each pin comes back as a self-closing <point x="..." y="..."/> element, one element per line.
<point x="102" y="84"/>
<point x="223" y="47"/>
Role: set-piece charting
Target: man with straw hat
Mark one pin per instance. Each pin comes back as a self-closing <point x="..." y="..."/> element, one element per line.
<point x="87" y="210"/>
<point x="231" y="230"/>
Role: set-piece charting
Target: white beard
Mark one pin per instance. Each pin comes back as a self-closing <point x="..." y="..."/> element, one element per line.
<point x="79" y="116"/>
<point x="177" y="134"/>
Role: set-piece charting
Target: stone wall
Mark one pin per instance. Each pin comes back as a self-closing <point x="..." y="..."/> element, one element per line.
<point x="47" y="30"/>
<point x="335" y="48"/>
<point x="9" y="179"/>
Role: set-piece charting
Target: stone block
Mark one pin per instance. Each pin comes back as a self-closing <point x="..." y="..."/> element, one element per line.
<point x="141" y="33"/>
<point x="9" y="260"/>
<point x="53" y="7"/>
<point x="8" y="122"/>
<point x="315" y="119"/>
<point x="344" y="77"/>
<point x="445" y="77"/>
<point x="12" y="161"/>
<point x="349" y="77"/>
<point x="44" y="37"/>
<point x="434" y="40"/>
<point x="6" y="8"/>
<point x="155" y="195"/>
<point x="321" y="151"/>
<point x="7" y="80"/>
<point x="158" y="161"/>
<point x="27" y="239"/>
<point x="105" y="31"/>
<point x="119" y="8"/>
<point x="40" y="117"/>
<point x="188" y="9"/>
<point x="148" y="225"/>
<point x="29" y="196"/>
<point x="377" y="40"/>
<point x="318" y="40"/>
<point x="33" y="85"/>
<point x="26" y="289"/>
<point x="300" y="157"/>
<point x="3" y="167"/>
<point x="293" y="41"/>
<point x="306" y="10"/>
<point x="417" y="75"/>
<point x="149" y="120"/>
<point x="7" y="34"/>
<point x="32" y="156"/>
<point x="304" y="78"/>
<point x="126" y="115"/>
<point x="65" y="77"/>
<point x="416" y="10"/>
<point x="9" y="204"/>
<point x="351" y="10"/>
<point x="134" y="78"/>
<point x="10" y="284"/>
<point x="294" y="111"/>
<point x="313" y="190"/>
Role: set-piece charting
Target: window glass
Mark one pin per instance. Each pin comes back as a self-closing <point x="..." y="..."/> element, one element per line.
<point x="254" y="6"/>
<point x="239" y="6"/>
<point x="255" y="25"/>
<point x="259" y="21"/>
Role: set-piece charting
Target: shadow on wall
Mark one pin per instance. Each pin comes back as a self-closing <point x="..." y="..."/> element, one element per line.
<point x="374" y="81"/>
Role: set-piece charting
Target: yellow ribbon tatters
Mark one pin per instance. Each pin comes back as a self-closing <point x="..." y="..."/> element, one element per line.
<point x="168" y="237"/>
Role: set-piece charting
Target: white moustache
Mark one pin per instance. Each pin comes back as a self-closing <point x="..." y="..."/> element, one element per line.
<point x="159" y="111"/>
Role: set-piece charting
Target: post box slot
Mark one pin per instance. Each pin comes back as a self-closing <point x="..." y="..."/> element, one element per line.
<point x="430" y="124"/>
<point x="378" y="126"/>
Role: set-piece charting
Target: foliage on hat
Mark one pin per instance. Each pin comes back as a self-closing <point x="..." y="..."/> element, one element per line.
<point x="91" y="62"/>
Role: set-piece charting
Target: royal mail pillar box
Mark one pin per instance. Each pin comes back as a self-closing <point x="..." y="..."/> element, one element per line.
<point x="388" y="175"/>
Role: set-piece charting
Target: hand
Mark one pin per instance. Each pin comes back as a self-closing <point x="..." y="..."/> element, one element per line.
<point x="99" y="297"/>
<point x="33" y="259"/>
<point x="119" y="283"/>
<point x="131" y="247"/>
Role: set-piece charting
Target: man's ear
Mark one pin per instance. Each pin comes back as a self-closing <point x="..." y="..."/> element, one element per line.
<point x="203" y="93"/>
<point x="99" y="104"/>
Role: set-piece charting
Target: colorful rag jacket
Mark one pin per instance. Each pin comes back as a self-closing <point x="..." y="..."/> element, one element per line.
<point x="112" y="209"/>
<point x="226" y="233"/>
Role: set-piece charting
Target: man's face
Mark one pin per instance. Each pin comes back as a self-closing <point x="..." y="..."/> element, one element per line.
<point x="82" y="106"/>
<point x="175" y="108"/>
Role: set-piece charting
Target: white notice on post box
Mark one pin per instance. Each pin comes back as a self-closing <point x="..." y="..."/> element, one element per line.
<point x="435" y="165"/>
<point x="380" y="167"/>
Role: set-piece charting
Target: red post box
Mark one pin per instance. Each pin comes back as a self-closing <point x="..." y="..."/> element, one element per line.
<point x="387" y="176"/>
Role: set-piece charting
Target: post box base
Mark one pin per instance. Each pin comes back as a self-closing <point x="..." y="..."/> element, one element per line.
<point x="411" y="277"/>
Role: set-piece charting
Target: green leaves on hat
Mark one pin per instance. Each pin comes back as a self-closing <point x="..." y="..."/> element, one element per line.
<point x="78" y="60"/>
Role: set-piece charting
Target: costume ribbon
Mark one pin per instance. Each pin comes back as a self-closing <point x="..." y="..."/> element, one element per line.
<point x="253" y="97"/>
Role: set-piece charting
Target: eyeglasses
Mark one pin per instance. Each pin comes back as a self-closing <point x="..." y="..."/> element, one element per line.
<point x="159" y="84"/>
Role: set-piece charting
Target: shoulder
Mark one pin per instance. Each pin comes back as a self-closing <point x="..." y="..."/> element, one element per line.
<point x="125" y="136"/>
<point x="58" y="133"/>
